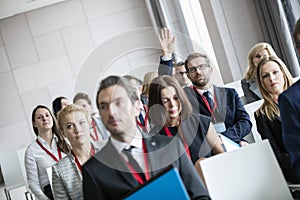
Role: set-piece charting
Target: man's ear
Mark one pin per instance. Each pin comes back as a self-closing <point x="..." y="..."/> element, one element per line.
<point x="136" y="106"/>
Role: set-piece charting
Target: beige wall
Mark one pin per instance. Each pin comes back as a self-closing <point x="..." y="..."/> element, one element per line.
<point x="42" y="51"/>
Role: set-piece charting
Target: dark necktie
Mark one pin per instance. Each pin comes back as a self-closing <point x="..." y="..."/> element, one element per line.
<point x="141" y="118"/>
<point x="208" y="98"/>
<point x="133" y="162"/>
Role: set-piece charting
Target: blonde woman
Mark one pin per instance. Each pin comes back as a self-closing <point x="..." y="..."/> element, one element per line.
<point x="273" y="78"/>
<point x="249" y="86"/>
<point x="66" y="174"/>
<point x="148" y="77"/>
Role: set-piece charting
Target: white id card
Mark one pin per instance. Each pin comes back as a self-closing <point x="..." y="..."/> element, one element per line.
<point x="220" y="127"/>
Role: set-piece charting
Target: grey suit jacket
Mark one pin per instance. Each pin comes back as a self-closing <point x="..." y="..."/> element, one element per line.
<point x="106" y="176"/>
<point x="67" y="178"/>
<point x="251" y="90"/>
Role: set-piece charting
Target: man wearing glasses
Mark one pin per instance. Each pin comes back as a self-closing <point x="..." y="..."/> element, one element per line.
<point x="223" y="105"/>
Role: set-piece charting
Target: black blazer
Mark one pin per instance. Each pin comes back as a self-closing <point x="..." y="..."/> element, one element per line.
<point x="290" y="114"/>
<point x="230" y="110"/>
<point x="272" y="130"/>
<point x="194" y="128"/>
<point x="105" y="176"/>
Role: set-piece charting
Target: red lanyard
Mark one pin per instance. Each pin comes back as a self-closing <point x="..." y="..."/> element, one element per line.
<point x="144" y="127"/>
<point x="185" y="144"/>
<point x="96" y="138"/>
<point x="76" y="159"/>
<point x="135" y="173"/>
<point x="207" y="104"/>
<point x="48" y="152"/>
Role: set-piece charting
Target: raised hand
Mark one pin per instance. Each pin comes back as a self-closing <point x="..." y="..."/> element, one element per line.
<point x="167" y="42"/>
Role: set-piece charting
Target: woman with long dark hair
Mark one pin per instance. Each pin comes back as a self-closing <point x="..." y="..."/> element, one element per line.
<point x="45" y="151"/>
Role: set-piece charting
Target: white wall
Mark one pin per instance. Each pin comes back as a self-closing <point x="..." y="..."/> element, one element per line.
<point x="42" y="51"/>
<point x="234" y="28"/>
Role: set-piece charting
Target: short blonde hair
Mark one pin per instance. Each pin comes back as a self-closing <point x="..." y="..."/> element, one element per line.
<point x="148" y="77"/>
<point x="68" y="110"/>
<point x="251" y="70"/>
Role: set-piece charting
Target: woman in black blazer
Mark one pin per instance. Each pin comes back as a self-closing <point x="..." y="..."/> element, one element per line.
<point x="171" y="114"/>
<point x="273" y="78"/>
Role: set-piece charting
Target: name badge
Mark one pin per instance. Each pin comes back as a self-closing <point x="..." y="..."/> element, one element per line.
<point x="220" y="127"/>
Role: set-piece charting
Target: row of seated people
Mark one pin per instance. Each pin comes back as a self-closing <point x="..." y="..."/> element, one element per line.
<point x="50" y="146"/>
<point x="173" y="110"/>
<point x="267" y="78"/>
<point x="80" y="173"/>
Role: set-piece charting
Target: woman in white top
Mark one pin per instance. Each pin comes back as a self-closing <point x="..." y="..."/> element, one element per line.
<point x="66" y="174"/>
<point x="45" y="151"/>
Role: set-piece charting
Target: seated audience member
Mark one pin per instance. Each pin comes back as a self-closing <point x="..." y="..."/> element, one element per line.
<point x="97" y="130"/>
<point x="45" y="151"/>
<point x="167" y="42"/>
<point x="296" y="35"/>
<point x="290" y="114"/>
<point x="273" y="78"/>
<point x="171" y="114"/>
<point x="181" y="75"/>
<point x="148" y="77"/>
<point x="58" y="104"/>
<point x="112" y="172"/>
<point x="249" y="85"/>
<point x="223" y="105"/>
<point x="66" y="174"/>
<point x="142" y="119"/>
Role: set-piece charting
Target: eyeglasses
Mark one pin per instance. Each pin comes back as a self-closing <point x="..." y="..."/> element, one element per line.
<point x="181" y="73"/>
<point x="200" y="67"/>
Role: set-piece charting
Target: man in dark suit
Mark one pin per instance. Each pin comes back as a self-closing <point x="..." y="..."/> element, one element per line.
<point x="223" y="105"/>
<point x="111" y="173"/>
<point x="289" y="106"/>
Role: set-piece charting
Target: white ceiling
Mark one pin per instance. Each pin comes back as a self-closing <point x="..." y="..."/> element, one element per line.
<point x="10" y="8"/>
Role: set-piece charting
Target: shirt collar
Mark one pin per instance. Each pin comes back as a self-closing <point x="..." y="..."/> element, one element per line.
<point x="137" y="142"/>
<point x="54" y="140"/>
<point x="210" y="89"/>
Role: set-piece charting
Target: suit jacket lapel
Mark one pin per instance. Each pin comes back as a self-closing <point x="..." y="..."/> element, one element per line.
<point x="254" y="88"/>
<point x="152" y="145"/>
<point x="220" y="111"/>
<point x="110" y="157"/>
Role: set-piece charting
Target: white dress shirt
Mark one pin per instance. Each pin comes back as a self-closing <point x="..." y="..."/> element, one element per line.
<point x="137" y="152"/>
<point x="36" y="163"/>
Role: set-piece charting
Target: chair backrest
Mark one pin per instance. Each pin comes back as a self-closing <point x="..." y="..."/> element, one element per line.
<point x="248" y="173"/>
<point x="21" y="159"/>
<point x="11" y="169"/>
<point x="251" y="108"/>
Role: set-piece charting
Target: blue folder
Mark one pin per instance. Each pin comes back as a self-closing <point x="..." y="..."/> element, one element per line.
<point x="166" y="185"/>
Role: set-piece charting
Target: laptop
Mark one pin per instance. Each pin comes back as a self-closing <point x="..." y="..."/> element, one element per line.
<point x="229" y="144"/>
<point x="247" y="173"/>
<point x="165" y="185"/>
